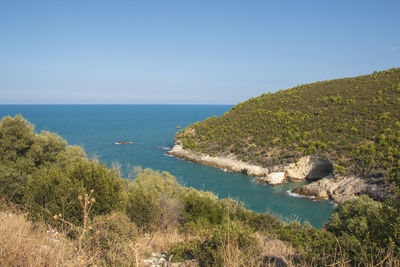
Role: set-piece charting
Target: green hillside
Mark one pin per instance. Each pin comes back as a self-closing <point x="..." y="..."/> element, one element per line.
<point x="58" y="208"/>
<point x="355" y="122"/>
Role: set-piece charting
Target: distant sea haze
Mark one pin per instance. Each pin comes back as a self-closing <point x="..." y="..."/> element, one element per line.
<point x="151" y="129"/>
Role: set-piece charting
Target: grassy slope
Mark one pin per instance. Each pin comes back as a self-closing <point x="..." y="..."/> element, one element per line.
<point x="355" y="122"/>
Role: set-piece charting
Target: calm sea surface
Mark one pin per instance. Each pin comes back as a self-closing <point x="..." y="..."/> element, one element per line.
<point x="97" y="127"/>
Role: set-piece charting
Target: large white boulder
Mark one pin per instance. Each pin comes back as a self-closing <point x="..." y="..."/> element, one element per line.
<point x="275" y="178"/>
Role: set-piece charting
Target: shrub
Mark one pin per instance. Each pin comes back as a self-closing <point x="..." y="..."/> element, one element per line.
<point x="313" y="245"/>
<point x="357" y="218"/>
<point x="16" y="137"/>
<point x="203" y="206"/>
<point x="12" y="183"/>
<point x="54" y="190"/>
<point x="227" y="244"/>
<point x="154" y="199"/>
<point x="107" y="185"/>
<point x="365" y="228"/>
<point x="45" y="148"/>
<point x="111" y="239"/>
<point x="50" y="191"/>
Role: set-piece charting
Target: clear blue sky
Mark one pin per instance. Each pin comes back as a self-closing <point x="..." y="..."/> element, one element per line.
<point x="193" y="52"/>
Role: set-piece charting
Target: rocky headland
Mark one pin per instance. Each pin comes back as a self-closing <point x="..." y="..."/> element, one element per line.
<point x="228" y="163"/>
<point x="325" y="184"/>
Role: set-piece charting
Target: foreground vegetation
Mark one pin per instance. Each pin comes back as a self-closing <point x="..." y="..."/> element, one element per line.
<point x="61" y="208"/>
<point x="355" y="122"/>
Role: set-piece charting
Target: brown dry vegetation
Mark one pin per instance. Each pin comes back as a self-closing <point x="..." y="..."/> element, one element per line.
<point x="23" y="243"/>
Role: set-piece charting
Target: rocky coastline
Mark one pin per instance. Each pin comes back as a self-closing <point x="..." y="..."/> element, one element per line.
<point x="340" y="189"/>
<point x="229" y="163"/>
<point x="325" y="184"/>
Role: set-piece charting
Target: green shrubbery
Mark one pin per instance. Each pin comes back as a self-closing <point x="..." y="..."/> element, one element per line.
<point x="44" y="175"/>
<point x="221" y="246"/>
<point x="355" y="122"/>
<point x="366" y="228"/>
<point x="50" y="179"/>
<point x="154" y="199"/>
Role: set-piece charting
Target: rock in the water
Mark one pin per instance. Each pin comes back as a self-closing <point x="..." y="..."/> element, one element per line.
<point x="275" y="178"/>
<point x="341" y="189"/>
<point x="261" y="180"/>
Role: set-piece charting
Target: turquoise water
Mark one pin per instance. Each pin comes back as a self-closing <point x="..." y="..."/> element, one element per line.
<point x="97" y="127"/>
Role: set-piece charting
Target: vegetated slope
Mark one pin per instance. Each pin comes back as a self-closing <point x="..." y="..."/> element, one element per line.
<point x="83" y="212"/>
<point x="355" y="122"/>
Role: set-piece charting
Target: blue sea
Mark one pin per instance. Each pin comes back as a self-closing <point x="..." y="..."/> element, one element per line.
<point x="97" y="128"/>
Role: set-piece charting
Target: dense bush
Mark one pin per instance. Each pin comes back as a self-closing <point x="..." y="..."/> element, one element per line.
<point x="365" y="228"/>
<point x="318" y="246"/>
<point x="50" y="191"/>
<point x="12" y="183"/>
<point x="16" y="137"/>
<point x="154" y="199"/>
<point x="204" y="207"/>
<point x="54" y="190"/>
<point x="45" y="175"/>
<point x="107" y="185"/>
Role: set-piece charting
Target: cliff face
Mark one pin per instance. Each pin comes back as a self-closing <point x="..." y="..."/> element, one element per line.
<point x="349" y="128"/>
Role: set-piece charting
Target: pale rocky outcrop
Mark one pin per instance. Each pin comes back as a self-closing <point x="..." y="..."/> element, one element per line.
<point x="300" y="169"/>
<point x="337" y="188"/>
<point x="229" y="163"/>
<point x="340" y="189"/>
<point x="308" y="167"/>
<point x="275" y="178"/>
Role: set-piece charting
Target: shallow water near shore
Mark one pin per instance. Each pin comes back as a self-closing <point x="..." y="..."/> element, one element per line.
<point x="151" y="128"/>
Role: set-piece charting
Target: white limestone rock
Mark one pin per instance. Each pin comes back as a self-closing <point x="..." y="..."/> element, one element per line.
<point x="275" y="178"/>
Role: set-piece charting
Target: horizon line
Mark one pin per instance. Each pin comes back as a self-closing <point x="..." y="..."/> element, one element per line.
<point x="71" y="104"/>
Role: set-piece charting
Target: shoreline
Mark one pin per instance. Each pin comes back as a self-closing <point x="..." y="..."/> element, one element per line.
<point x="230" y="163"/>
<point x="331" y="187"/>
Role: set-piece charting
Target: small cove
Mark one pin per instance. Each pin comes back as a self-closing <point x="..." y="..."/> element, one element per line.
<point x="97" y="128"/>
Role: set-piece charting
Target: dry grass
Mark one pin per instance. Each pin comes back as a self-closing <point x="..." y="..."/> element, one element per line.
<point x="23" y="243"/>
<point x="157" y="241"/>
<point x="277" y="249"/>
